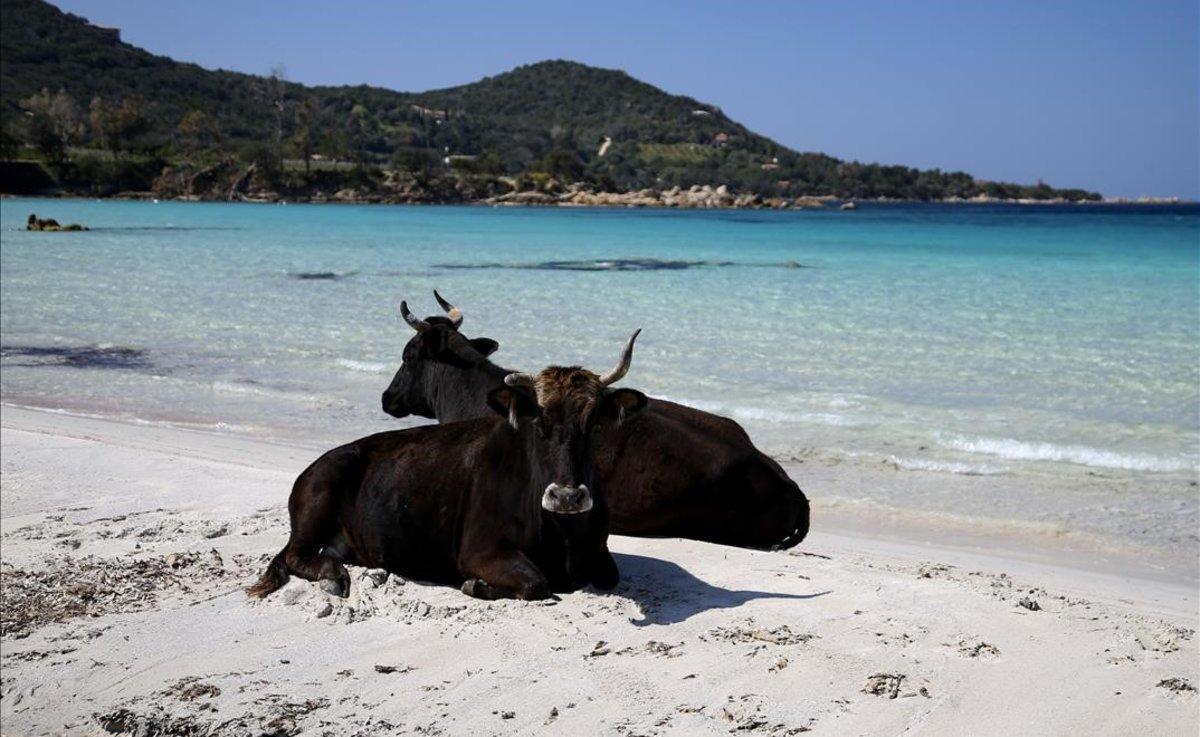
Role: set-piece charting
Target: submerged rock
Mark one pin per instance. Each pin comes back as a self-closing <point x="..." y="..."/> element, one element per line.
<point x="50" y="225"/>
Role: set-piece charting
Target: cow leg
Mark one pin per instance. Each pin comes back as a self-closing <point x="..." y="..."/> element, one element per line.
<point x="604" y="574"/>
<point x="505" y="576"/>
<point x="315" y="549"/>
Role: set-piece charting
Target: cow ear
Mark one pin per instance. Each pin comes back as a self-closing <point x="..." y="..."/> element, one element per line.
<point x="485" y="346"/>
<point x="512" y="402"/>
<point x="624" y="402"/>
<point x="457" y="350"/>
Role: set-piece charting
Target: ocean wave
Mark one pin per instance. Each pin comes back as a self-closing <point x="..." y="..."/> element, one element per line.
<point x="767" y="415"/>
<point x="962" y="469"/>
<point x="366" y="367"/>
<point x="1020" y="450"/>
<point x="254" y="389"/>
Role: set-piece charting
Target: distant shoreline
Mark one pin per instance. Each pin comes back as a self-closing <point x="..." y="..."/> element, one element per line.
<point x="616" y="200"/>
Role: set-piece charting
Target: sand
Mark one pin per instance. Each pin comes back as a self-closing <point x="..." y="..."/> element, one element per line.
<point x="125" y="549"/>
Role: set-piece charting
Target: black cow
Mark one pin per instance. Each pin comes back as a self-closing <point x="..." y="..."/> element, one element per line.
<point x="508" y="507"/>
<point x="671" y="471"/>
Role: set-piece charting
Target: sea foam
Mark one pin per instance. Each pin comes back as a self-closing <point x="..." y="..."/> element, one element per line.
<point x="1020" y="450"/>
<point x="963" y="469"/>
<point x="365" y="367"/>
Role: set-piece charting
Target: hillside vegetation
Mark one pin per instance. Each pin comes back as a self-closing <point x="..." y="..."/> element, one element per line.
<point x="106" y="116"/>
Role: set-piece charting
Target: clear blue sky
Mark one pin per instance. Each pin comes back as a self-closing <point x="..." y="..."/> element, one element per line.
<point x="1101" y="95"/>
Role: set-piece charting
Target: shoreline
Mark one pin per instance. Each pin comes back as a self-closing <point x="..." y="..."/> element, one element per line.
<point x="845" y="634"/>
<point x="874" y="510"/>
<point x="621" y="200"/>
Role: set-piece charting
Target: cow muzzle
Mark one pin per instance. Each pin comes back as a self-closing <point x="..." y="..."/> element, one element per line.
<point x="567" y="499"/>
<point x="393" y="405"/>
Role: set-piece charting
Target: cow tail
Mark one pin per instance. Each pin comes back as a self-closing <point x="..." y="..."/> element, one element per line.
<point x="271" y="579"/>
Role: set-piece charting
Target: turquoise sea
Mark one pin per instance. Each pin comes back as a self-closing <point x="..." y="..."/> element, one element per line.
<point x="955" y="339"/>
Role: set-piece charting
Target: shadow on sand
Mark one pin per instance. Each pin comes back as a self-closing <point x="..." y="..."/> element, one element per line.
<point x="667" y="593"/>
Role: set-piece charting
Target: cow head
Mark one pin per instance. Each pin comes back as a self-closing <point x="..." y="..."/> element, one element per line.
<point x="559" y="408"/>
<point x="436" y="349"/>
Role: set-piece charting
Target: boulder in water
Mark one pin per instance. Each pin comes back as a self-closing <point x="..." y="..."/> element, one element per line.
<point x="50" y="224"/>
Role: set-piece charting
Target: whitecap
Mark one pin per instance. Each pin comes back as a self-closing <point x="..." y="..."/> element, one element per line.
<point x="1020" y="450"/>
<point x="258" y="390"/>
<point x="366" y="367"/>
<point x="963" y="469"/>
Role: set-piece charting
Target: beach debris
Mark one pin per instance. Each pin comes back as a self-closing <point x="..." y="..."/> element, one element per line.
<point x="325" y="610"/>
<point x="600" y="648"/>
<point x="216" y="531"/>
<point x="375" y="577"/>
<point x="663" y="649"/>
<point x="780" y="664"/>
<point x="884" y="684"/>
<point x="747" y="713"/>
<point x="67" y="587"/>
<point x="127" y="721"/>
<point x="933" y="570"/>
<point x="978" y="649"/>
<point x="1164" y="639"/>
<point x="393" y="669"/>
<point x="808" y="554"/>
<point x="190" y="689"/>
<point x="1177" y="685"/>
<point x="553" y="715"/>
<point x="781" y="635"/>
<point x="1030" y="604"/>
<point x="508" y="714"/>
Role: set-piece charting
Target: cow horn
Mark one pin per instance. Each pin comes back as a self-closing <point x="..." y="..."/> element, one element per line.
<point x="455" y="314"/>
<point x="414" y="322"/>
<point x="622" y="366"/>
<point x="519" y="379"/>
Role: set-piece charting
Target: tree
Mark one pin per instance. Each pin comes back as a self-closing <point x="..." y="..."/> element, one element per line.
<point x="276" y="94"/>
<point x="197" y="132"/>
<point x="305" y="137"/>
<point x="54" y="123"/>
<point x="10" y="146"/>
<point x="562" y="164"/>
<point x="361" y="126"/>
<point x="118" y="127"/>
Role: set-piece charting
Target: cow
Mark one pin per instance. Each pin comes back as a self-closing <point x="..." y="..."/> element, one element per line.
<point x="671" y="471"/>
<point x="507" y="506"/>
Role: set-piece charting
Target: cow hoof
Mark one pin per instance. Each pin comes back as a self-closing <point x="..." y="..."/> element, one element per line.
<point x="335" y="587"/>
<point x="473" y="587"/>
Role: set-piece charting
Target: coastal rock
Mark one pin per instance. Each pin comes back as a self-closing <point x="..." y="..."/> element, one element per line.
<point x="50" y="225"/>
<point x="239" y="186"/>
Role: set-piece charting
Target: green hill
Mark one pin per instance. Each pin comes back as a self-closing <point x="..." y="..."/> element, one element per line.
<point x="543" y="121"/>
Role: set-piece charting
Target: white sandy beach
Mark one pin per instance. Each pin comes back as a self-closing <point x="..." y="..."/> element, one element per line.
<point x="125" y="549"/>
